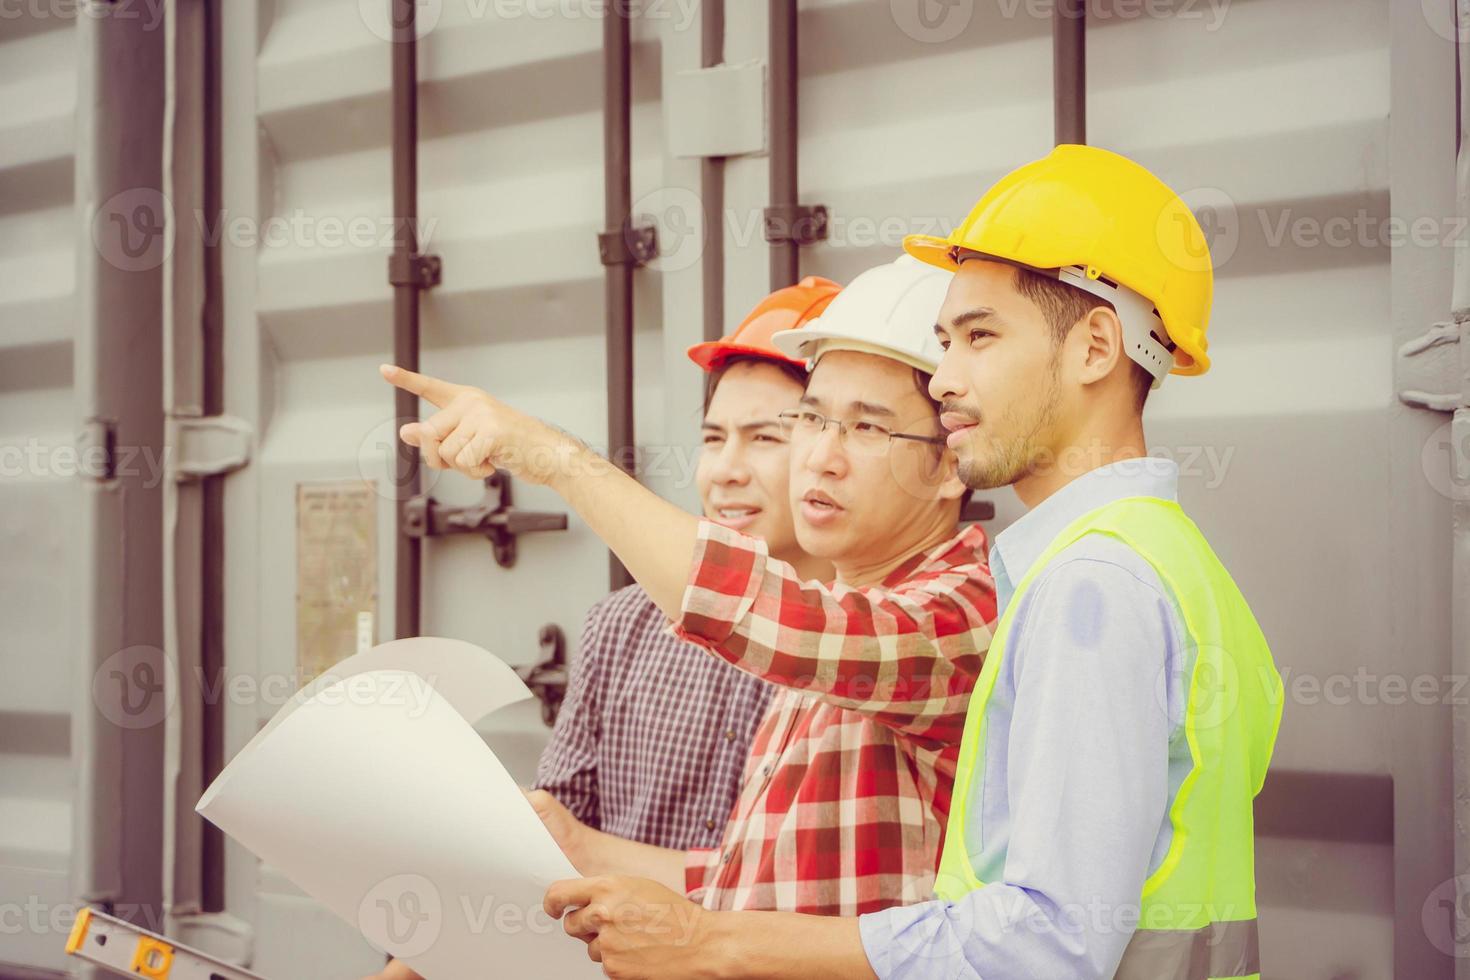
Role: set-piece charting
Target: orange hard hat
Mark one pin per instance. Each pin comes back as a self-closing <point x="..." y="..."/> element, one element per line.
<point x="785" y="309"/>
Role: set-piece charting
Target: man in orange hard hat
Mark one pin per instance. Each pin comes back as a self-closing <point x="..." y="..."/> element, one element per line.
<point x="1128" y="706"/>
<point x="649" y="750"/>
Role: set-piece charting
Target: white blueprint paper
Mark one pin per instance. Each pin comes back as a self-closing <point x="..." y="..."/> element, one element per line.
<point x="373" y="793"/>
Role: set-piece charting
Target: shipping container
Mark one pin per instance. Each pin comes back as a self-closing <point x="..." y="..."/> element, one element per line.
<point x="198" y="474"/>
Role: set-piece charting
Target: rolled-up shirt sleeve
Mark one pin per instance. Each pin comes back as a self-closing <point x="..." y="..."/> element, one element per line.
<point x="696" y="871"/>
<point x="1086" y="774"/>
<point x="906" y="653"/>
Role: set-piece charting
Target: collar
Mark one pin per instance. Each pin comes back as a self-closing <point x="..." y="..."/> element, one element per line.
<point x="1018" y="546"/>
<point x="965" y="547"/>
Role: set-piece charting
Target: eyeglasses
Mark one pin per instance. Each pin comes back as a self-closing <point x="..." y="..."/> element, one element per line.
<point x="868" y="438"/>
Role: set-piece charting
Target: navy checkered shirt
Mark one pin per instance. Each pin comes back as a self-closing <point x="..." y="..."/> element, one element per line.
<point x="653" y="737"/>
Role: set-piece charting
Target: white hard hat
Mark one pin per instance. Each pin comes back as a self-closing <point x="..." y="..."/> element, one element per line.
<point x="889" y="310"/>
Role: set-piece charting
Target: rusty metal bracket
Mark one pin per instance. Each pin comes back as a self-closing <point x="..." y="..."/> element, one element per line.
<point x="634" y="244"/>
<point x="547" y="678"/>
<point x="416" y="269"/>
<point x="804" y="224"/>
<point x="493" y="516"/>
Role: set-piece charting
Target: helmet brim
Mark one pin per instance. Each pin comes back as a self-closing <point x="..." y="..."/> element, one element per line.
<point x="931" y="250"/>
<point x="712" y="354"/>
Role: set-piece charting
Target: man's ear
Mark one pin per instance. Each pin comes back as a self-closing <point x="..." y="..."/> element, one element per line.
<point x="1101" y="333"/>
<point x="950" y="486"/>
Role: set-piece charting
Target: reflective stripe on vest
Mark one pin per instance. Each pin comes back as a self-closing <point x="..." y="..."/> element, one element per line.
<point x="1213" y="952"/>
<point x="1203" y="890"/>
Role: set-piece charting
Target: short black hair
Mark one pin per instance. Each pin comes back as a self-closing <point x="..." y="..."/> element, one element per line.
<point x="795" y="372"/>
<point x="1063" y="305"/>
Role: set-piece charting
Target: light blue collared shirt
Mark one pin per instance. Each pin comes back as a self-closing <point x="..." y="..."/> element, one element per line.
<point x="1084" y="754"/>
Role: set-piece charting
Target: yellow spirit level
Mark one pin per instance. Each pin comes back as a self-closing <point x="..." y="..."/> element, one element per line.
<point x="124" y="948"/>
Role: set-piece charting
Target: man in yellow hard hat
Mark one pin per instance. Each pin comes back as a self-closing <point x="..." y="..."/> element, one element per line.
<point x="1127" y="709"/>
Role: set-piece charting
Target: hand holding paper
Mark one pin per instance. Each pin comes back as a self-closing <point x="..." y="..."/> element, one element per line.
<point x="434" y="852"/>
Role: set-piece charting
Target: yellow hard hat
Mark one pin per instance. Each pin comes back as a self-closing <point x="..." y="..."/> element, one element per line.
<point x="1099" y="221"/>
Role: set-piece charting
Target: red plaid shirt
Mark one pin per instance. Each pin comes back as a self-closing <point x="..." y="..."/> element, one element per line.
<point x="848" y="785"/>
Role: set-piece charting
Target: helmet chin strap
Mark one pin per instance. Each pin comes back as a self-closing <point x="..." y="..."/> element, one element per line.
<point x="1144" y="338"/>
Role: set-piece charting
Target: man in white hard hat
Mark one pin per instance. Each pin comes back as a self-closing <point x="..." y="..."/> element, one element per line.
<point x="849" y="780"/>
<point x="1125" y="717"/>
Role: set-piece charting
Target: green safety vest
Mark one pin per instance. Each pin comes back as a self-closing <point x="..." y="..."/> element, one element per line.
<point x="1196" y="918"/>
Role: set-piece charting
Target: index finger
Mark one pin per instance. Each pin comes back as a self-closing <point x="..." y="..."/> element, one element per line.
<point x="438" y="393"/>
<point x="570" y="893"/>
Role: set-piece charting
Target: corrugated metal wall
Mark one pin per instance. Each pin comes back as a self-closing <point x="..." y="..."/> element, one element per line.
<point x="1273" y="116"/>
<point x="38" y="498"/>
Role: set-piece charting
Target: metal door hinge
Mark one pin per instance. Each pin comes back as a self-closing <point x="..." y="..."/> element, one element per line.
<point x="207" y="445"/>
<point x="417" y="269"/>
<point x="492" y="516"/>
<point x="804" y="224"/>
<point x="633" y="244"/>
